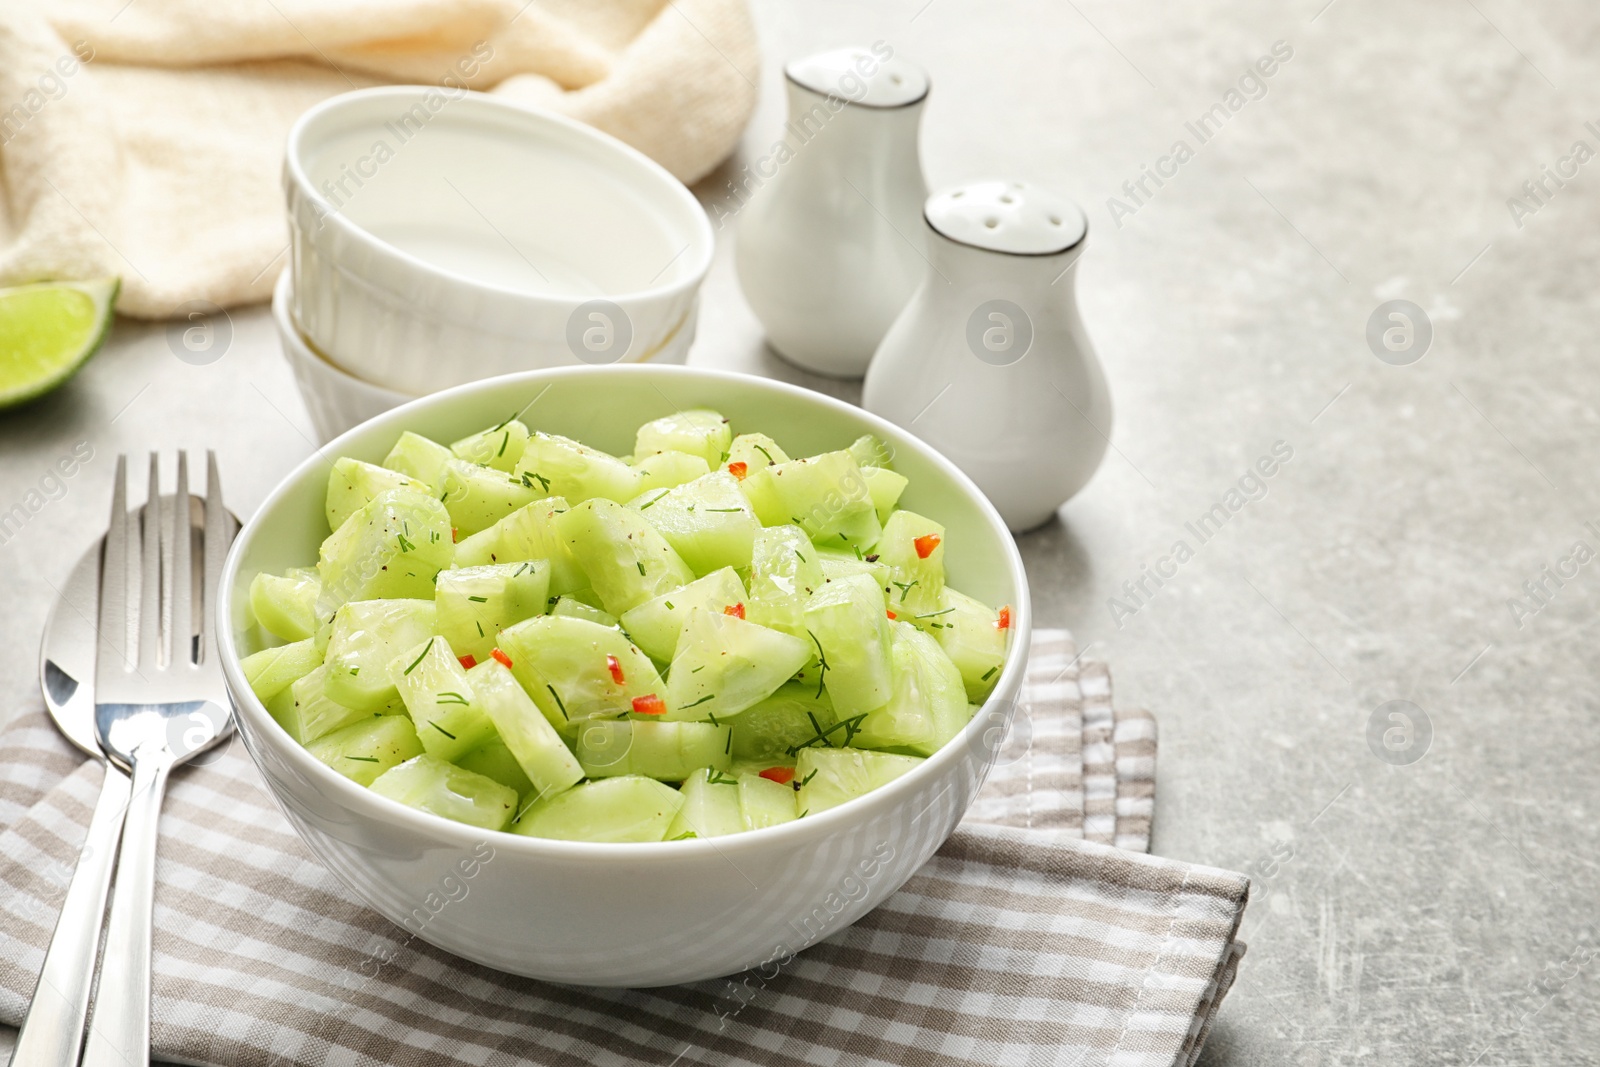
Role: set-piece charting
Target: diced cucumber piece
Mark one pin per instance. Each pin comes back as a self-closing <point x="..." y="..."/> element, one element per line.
<point x="478" y="497"/>
<point x="785" y="569"/>
<point x="667" y="469"/>
<point x="366" y="749"/>
<point x="272" y="670"/>
<point x="842" y="563"/>
<point x="970" y="635"/>
<point x="565" y="665"/>
<point x="848" y="620"/>
<point x="493" y="759"/>
<point x="577" y="609"/>
<point x="790" y="717"/>
<point x="698" y="432"/>
<point x="827" y="497"/>
<point x="670" y="751"/>
<point x="444" y="709"/>
<point x="285" y="607"/>
<point x="632" y="808"/>
<point x="433" y="785"/>
<point x="871" y="451"/>
<point x="476" y="603"/>
<point x="829" y="777"/>
<point x="763" y="802"/>
<point x="499" y="446"/>
<point x="710" y="806"/>
<point x="627" y="560"/>
<point x="913" y="547"/>
<point x="366" y="636"/>
<point x="352" y="485"/>
<point x="586" y="595"/>
<point x="310" y="714"/>
<point x="540" y="752"/>
<point x="559" y="466"/>
<point x="418" y="457"/>
<point x="885" y="487"/>
<point x="929" y="705"/>
<point x="528" y="533"/>
<point x="724" y="664"/>
<point x="708" y="521"/>
<point x="391" y="548"/>
<point x="756" y="451"/>
<point x="656" y="624"/>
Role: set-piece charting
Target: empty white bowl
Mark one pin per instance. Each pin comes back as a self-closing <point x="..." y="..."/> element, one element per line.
<point x="442" y="236"/>
<point x="626" y="914"/>
<point x="335" y="399"/>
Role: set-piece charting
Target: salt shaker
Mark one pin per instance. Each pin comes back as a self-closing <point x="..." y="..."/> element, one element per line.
<point x="989" y="362"/>
<point x="830" y="247"/>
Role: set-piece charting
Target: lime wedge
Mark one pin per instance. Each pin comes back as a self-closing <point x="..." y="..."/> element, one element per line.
<point x="48" y="331"/>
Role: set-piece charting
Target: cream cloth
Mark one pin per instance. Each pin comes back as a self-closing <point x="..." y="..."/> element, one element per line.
<point x="1021" y="941"/>
<point x="145" y="138"/>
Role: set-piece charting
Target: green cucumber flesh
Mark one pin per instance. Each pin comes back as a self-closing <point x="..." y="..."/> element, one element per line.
<point x="499" y="446"/>
<point x="656" y="624"/>
<point x="631" y="808"/>
<point x="364" y="750"/>
<point x="929" y="704"/>
<point x="917" y="581"/>
<point x="708" y="521"/>
<point x="393" y="547"/>
<point x="560" y="466"/>
<point x="725" y="664"/>
<point x="667" y="469"/>
<point x="792" y="716"/>
<point x="544" y="758"/>
<point x="443" y="707"/>
<point x="710" y="806"/>
<point x="562" y="664"/>
<point x="478" y="497"/>
<point x="418" y="457"/>
<point x="286" y="607"/>
<point x="827" y="497"/>
<point x="366" y="635"/>
<point x="848" y="620"/>
<point x="763" y="802"/>
<point x="669" y="751"/>
<point x="829" y="777"/>
<point x="442" y="788"/>
<point x="352" y="485"/>
<point x="272" y="670"/>
<point x="970" y="635"/>
<point x="627" y="560"/>
<point x="527" y="533"/>
<point x="785" y="569"/>
<point x="698" y="432"/>
<point x="475" y="603"/>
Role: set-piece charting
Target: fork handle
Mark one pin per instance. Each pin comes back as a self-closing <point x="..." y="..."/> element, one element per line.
<point x="52" y="1031"/>
<point x="119" y="1030"/>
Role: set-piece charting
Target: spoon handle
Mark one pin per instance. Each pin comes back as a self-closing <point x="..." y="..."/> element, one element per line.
<point x="119" y="1030"/>
<point x="53" y="1029"/>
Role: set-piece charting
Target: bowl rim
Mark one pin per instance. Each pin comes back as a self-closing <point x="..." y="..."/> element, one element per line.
<point x="292" y="338"/>
<point x="702" y="240"/>
<point x="372" y="805"/>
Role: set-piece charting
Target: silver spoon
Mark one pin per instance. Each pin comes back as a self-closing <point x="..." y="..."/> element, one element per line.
<point x="52" y="1032"/>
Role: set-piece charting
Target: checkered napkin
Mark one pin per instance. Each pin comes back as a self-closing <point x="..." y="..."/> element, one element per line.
<point x="1026" y="939"/>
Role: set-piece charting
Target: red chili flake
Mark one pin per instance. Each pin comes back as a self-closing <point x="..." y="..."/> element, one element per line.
<point x="452" y="535"/>
<point x="736" y="610"/>
<point x="739" y="469"/>
<point x="926" y="544"/>
<point x="892" y="615"/>
<point x="614" y="667"/>
<point x="468" y="661"/>
<point x="781" y="775"/>
<point x="1004" y="621"/>
<point x="649" y="704"/>
<point x="505" y="660"/>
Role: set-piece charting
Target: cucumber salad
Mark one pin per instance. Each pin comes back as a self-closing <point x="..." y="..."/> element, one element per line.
<point x="523" y="633"/>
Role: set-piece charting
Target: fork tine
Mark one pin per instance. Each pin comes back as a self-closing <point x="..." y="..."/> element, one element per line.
<point x="218" y="536"/>
<point x="181" y="627"/>
<point x="150" y="573"/>
<point x="114" y="577"/>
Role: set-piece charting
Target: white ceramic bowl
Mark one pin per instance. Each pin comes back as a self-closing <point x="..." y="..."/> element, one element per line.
<point x="627" y="914"/>
<point x="442" y="236"/>
<point x="335" y="398"/>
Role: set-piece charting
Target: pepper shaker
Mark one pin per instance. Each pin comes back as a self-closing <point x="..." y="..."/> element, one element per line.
<point x="989" y="362"/>
<point x="830" y="248"/>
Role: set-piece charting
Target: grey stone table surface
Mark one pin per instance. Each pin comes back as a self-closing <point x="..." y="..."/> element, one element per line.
<point x="1432" y="910"/>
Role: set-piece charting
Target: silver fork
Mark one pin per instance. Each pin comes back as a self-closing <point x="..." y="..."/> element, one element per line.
<point x="159" y="701"/>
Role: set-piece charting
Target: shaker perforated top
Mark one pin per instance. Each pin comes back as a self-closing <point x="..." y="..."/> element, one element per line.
<point x="861" y="76"/>
<point x="1011" y="217"/>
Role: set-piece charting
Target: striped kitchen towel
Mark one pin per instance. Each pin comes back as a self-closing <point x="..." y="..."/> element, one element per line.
<point x="1013" y="945"/>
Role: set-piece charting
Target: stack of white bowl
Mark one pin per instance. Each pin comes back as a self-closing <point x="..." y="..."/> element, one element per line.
<point x="442" y="236"/>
